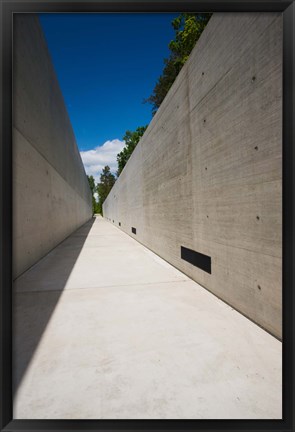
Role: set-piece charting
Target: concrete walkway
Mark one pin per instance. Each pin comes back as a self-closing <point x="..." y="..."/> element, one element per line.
<point x="105" y="329"/>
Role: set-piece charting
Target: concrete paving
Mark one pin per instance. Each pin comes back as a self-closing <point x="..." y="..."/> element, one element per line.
<point x="105" y="329"/>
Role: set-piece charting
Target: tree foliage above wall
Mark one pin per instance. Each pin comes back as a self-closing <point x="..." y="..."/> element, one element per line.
<point x="131" y="140"/>
<point x="92" y="186"/>
<point x="107" y="181"/>
<point x="188" y="29"/>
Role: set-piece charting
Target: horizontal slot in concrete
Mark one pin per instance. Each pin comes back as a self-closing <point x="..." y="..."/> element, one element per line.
<point x="196" y="258"/>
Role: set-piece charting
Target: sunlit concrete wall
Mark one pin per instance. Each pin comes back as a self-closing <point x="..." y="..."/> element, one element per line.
<point x="51" y="196"/>
<point x="207" y="174"/>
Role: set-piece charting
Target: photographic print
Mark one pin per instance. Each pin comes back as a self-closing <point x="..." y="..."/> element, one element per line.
<point x="148" y="215"/>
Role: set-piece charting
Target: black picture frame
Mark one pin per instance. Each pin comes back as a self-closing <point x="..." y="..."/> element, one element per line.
<point x="7" y="8"/>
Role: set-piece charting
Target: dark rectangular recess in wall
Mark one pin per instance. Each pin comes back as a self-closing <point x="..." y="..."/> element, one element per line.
<point x="133" y="230"/>
<point x="119" y="223"/>
<point x="196" y="258"/>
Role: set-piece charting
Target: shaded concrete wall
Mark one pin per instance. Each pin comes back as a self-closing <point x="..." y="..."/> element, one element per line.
<point x="207" y="174"/>
<point x="51" y="196"/>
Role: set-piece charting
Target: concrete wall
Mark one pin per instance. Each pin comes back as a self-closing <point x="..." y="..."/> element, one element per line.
<point x="51" y="196"/>
<point x="207" y="174"/>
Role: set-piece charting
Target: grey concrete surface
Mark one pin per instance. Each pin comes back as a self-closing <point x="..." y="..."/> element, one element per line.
<point x="207" y="174"/>
<point x="105" y="329"/>
<point x="51" y="196"/>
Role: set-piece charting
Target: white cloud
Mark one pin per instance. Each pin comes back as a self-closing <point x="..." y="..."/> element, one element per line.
<point x="96" y="159"/>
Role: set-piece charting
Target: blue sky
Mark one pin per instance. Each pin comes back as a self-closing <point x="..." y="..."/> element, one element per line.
<point x="106" y="65"/>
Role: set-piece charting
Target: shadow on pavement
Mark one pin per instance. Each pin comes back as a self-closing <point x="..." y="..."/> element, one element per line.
<point x="35" y="296"/>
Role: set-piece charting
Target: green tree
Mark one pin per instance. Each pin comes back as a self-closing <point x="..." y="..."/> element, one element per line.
<point x="131" y="140"/>
<point x="91" y="182"/>
<point x="92" y="186"/>
<point x="188" y="28"/>
<point x="107" y="181"/>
